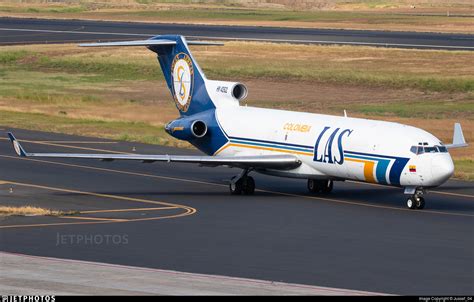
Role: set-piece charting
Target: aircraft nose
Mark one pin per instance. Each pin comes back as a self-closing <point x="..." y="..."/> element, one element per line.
<point x="442" y="169"/>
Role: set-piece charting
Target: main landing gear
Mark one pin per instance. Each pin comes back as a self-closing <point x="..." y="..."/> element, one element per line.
<point x="320" y="185"/>
<point x="242" y="183"/>
<point x="416" y="201"/>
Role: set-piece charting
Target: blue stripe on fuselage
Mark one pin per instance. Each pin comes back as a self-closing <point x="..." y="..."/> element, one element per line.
<point x="274" y="145"/>
<point x="308" y="148"/>
<point x="383" y="161"/>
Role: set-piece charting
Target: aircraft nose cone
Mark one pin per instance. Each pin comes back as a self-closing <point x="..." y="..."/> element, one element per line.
<point x="442" y="169"/>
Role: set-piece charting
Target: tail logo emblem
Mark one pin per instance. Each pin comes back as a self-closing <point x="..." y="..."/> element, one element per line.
<point x="17" y="148"/>
<point x="183" y="80"/>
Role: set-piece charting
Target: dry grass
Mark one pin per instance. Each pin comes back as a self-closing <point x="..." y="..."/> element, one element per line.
<point x="399" y="68"/>
<point x="29" y="211"/>
<point x="122" y="95"/>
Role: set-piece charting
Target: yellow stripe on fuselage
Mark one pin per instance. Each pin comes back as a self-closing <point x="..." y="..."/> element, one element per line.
<point x="262" y="148"/>
<point x="368" y="168"/>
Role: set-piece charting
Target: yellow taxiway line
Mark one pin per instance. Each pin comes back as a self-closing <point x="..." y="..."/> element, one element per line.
<point x="128" y="210"/>
<point x="97" y="220"/>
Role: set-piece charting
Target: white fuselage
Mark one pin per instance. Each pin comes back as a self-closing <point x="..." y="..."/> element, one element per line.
<point x="337" y="147"/>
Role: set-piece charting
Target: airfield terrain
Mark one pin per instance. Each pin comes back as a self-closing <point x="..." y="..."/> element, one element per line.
<point x="169" y="219"/>
<point x="112" y="93"/>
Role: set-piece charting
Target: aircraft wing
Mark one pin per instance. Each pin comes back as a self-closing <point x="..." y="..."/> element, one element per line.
<point x="280" y="162"/>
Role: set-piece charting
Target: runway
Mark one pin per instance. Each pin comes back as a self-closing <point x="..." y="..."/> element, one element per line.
<point x="181" y="217"/>
<point x="31" y="31"/>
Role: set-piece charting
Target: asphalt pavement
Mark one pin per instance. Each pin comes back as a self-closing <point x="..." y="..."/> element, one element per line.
<point x="32" y="31"/>
<point x="181" y="217"/>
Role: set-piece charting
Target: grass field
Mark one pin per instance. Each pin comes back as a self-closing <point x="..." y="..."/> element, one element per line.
<point x="415" y="15"/>
<point x="121" y="94"/>
<point x="30" y="211"/>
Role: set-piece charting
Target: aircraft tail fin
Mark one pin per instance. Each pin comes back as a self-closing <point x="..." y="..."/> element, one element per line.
<point x="185" y="79"/>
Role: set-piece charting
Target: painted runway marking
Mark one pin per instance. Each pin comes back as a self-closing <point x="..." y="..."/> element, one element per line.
<point x="93" y="218"/>
<point x="73" y="142"/>
<point x="258" y="190"/>
<point x="336" y="42"/>
<point x="252" y="39"/>
<point x="166" y="206"/>
<point x="73" y="32"/>
<point x="127" y="210"/>
<point x="63" y="142"/>
<point x="115" y="171"/>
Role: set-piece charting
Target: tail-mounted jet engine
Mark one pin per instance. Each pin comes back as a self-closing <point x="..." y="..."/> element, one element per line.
<point x="186" y="128"/>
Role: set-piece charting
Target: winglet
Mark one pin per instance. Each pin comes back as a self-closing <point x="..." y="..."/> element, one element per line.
<point x="16" y="145"/>
<point x="458" y="138"/>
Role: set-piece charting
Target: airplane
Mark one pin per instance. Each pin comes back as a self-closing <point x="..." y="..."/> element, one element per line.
<point x="320" y="148"/>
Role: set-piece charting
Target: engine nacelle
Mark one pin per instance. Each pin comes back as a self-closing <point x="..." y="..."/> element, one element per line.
<point x="239" y="91"/>
<point x="232" y="91"/>
<point x="186" y="128"/>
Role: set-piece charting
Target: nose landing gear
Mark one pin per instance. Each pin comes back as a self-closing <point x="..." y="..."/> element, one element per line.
<point x="416" y="201"/>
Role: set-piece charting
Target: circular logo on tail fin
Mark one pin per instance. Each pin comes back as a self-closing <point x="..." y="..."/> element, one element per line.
<point x="182" y="75"/>
<point x="17" y="147"/>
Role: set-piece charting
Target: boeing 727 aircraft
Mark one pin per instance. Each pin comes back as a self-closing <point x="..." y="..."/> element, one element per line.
<point x="320" y="148"/>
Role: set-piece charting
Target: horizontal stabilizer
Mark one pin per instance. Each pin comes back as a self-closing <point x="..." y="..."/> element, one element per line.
<point x="150" y="42"/>
<point x="130" y="43"/>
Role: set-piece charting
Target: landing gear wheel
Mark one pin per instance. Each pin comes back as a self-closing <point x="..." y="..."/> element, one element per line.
<point x="411" y="203"/>
<point x="313" y="186"/>
<point x="327" y="187"/>
<point x="235" y="187"/>
<point x="320" y="186"/>
<point x="248" y="185"/>
<point x="420" y="202"/>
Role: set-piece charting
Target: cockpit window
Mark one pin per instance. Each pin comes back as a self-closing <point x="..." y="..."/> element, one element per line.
<point x="420" y="149"/>
<point x="442" y="149"/>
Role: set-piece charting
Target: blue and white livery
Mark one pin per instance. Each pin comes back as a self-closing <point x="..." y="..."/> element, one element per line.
<point x="320" y="148"/>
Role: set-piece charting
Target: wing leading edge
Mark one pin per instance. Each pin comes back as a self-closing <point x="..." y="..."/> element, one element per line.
<point x="279" y="162"/>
